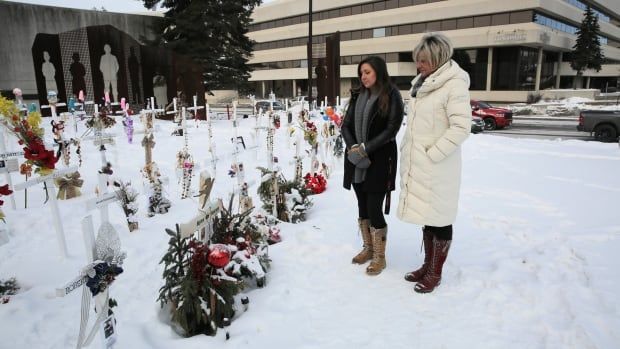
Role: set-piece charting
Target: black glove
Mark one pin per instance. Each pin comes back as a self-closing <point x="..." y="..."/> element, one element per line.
<point x="357" y="155"/>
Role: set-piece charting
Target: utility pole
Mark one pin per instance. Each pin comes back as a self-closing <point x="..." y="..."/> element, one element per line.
<point x="310" y="51"/>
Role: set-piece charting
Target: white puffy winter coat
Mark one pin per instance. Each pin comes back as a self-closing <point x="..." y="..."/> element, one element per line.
<point x="438" y="121"/>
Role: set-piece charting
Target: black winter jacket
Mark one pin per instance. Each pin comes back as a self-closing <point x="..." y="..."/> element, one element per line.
<point x="380" y="145"/>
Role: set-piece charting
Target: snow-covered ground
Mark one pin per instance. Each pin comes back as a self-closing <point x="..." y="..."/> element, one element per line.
<point x="534" y="262"/>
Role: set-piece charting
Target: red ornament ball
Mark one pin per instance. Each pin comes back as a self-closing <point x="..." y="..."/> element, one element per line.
<point x="219" y="255"/>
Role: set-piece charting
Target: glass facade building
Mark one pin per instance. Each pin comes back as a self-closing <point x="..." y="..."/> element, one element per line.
<point x="509" y="49"/>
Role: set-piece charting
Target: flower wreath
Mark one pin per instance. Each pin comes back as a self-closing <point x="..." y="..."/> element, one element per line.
<point x="315" y="182"/>
<point x="101" y="275"/>
<point x="29" y="133"/>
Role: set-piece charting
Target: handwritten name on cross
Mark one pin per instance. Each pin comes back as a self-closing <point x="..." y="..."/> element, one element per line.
<point x="206" y="210"/>
<point x="49" y="183"/>
<point x="8" y="158"/>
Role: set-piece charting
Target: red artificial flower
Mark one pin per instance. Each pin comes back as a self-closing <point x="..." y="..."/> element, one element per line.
<point x="316" y="183"/>
<point x="4" y="190"/>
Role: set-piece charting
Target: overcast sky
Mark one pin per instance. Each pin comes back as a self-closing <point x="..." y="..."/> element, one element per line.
<point x="128" y="6"/>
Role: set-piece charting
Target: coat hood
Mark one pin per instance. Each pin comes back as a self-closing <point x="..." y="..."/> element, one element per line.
<point x="449" y="71"/>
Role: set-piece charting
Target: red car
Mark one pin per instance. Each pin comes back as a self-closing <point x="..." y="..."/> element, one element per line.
<point x="494" y="117"/>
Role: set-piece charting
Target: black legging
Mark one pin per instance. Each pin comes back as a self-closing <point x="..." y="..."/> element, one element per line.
<point x="441" y="233"/>
<point x="369" y="206"/>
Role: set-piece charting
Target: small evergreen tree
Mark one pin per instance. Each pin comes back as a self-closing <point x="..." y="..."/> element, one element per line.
<point x="200" y="300"/>
<point x="587" y="50"/>
<point x="213" y="34"/>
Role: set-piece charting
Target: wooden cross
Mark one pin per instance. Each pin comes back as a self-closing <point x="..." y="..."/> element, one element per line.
<point x="206" y="211"/>
<point x="49" y="183"/>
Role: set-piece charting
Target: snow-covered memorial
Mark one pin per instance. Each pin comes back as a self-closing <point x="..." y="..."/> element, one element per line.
<point x="214" y="257"/>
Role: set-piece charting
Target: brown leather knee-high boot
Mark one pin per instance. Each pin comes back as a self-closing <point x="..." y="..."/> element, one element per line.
<point x="427" y="242"/>
<point x="366" y="254"/>
<point x="432" y="279"/>
<point x="379" y="237"/>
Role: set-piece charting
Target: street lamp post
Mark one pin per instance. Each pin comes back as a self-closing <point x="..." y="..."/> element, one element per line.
<point x="309" y="50"/>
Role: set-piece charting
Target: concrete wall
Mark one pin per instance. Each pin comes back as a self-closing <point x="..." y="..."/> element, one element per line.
<point x="22" y="22"/>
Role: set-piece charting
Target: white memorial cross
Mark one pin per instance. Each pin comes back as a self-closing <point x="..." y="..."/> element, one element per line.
<point x="49" y="183"/>
<point x="101" y="141"/>
<point x="7" y="160"/>
<point x="53" y="106"/>
<point x="104" y="249"/>
<point x="195" y="109"/>
<point x="186" y="180"/>
<point x="211" y="144"/>
<point x="174" y="111"/>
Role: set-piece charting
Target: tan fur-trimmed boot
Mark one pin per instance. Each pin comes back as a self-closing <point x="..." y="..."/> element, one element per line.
<point x="366" y="254"/>
<point x="379" y="237"/>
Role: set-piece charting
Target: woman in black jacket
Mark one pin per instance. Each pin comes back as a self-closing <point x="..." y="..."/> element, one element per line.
<point x="371" y="123"/>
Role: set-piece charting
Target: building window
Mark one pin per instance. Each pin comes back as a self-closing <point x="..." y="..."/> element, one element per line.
<point x="433" y="26"/>
<point x="482" y="21"/>
<point x="378" y="33"/>
<point x="391" y="57"/>
<point x="521" y="17"/>
<point x="474" y="62"/>
<point x="390" y="4"/>
<point x="419" y="28"/>
<point x="448" y="24"/>
<point x="500" y="19"/>
<point x="404" y="29"/>
<point x="514" y="68"/>
<point x="583" y="7"/>
<point x="464" y="23"/>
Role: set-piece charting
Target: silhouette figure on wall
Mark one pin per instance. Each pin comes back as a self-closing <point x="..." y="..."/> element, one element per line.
<point x="160" y="90"/>
<point x="78" y="72"/>
<point x="134" y="75"/>
<point x="109" y="68"/>
<point x="49" y="71"/>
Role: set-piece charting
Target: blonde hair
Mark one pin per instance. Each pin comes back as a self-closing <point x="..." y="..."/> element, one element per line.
<point x="437" y="48"/>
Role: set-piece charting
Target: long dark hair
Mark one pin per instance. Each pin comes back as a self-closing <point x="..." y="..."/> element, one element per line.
<point x="383" y="83"/>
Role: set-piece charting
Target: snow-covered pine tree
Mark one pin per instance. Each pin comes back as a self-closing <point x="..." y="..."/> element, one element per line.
<point x="213" y="34"/>
<point x="587" y="52"/>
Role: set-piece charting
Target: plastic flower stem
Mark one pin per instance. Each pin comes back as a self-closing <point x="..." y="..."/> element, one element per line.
<point x="26" y="195"/>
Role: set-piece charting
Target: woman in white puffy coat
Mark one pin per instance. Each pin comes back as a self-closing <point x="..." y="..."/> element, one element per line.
<point x="438" y="122"/>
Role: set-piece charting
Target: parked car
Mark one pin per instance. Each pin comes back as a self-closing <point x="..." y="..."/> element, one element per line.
<point x="603" y="124"/>
<point x="494" y="117"/>
<point x="477" y="124"/>
<point x="266" y="104"/>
